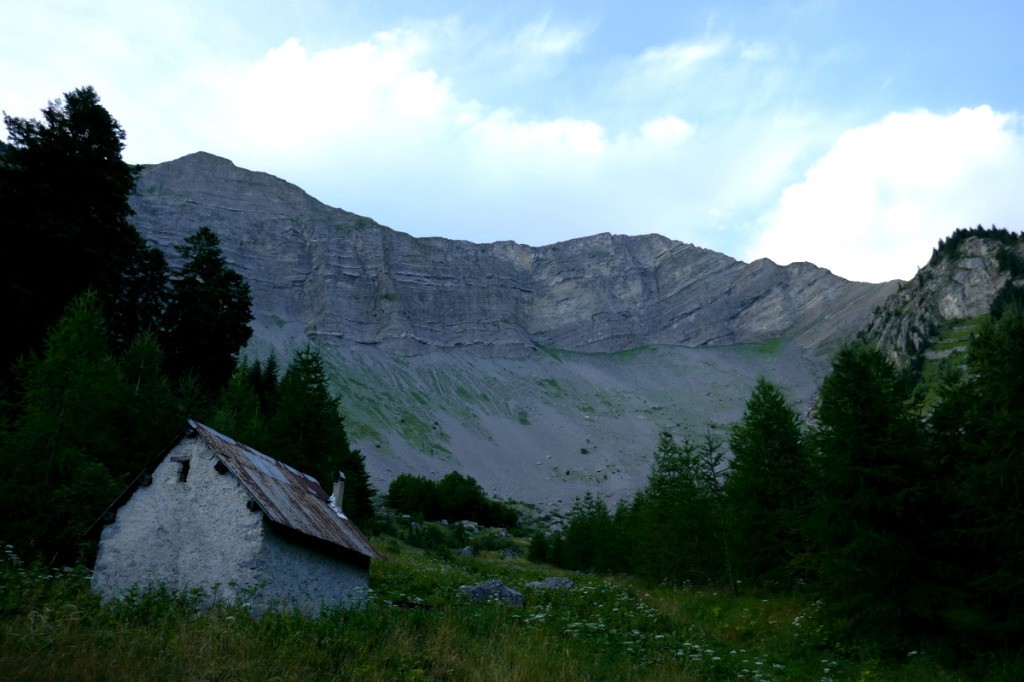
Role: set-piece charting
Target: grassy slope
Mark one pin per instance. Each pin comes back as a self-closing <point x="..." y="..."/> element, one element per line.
<point x="419" y="626"/>
<point x="946" y="352"/>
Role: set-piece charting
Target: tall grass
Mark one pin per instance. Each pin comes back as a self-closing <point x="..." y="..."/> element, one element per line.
<point x="419" y="626"/>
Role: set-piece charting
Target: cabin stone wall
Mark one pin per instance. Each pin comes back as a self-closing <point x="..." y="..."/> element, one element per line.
<point x="302" y="577"/>
<point x="200" y="532"/>
<point x="196" y="533"/>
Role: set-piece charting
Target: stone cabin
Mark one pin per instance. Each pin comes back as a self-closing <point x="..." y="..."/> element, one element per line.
<point x="214" y="514"/>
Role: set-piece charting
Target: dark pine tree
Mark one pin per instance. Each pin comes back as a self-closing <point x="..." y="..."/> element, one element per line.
<point x="980" y="428"/>
<point x="871" y="510"/>
<point x="264" y="380"/>
<point x="64" y="214"/>
<point x="208" y="315"/>
<point x="238" y="412"/>
<point x="414" y="495"/>
<point x="768" y="487"/>
<point x="585" y="541"/>
<point x="137" y="301"/>
<point x="307" y="431"/>
<point x="679" y="516"/>
<point x="150" y="416"/>
<point x="55" y="457"/>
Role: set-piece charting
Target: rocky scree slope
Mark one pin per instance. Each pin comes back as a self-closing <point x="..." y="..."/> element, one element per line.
<point x="544" y="372"/>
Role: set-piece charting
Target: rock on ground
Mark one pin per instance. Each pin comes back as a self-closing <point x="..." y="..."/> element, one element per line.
<point x="493" y="589"/>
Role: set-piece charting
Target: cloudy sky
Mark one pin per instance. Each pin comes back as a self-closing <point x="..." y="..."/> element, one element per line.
<point x="850" y="133"/>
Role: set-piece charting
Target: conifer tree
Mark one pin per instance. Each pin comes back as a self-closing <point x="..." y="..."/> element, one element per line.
<point x="983" y="440"/>
<point x="540" y="547"/>
<point x="208" y="315"/>
<point x="54" y="459"/>
<point x="150" y="417"/>
<point x="137" y="301"/>
<point x="237" y="411"/>
<point x="679" y="516"/>
<point x="455" y="496"/>
<point x="264" y="379"/>
<point x="64" y="191"/>
<point x="586" y="539"/>
<point x="768" y="486"/>
<point x="414" y="495"/>
<point x="307" y="431"/>
<point x="870" y="511"/>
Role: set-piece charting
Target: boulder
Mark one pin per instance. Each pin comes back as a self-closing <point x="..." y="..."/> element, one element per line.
<point x="493" y="590"/>
<point x="555" y="583"/>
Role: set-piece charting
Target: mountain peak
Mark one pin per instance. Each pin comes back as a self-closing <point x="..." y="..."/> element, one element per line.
<point x="353" y="279"/>
<point x="543" y="372"/>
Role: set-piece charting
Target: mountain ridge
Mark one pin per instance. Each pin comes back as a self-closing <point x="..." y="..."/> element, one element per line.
<point x="543" y="372"/>
<point x="602" y="293"/>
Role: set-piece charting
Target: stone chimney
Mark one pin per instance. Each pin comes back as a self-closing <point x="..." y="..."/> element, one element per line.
<point x="339" y="489"/>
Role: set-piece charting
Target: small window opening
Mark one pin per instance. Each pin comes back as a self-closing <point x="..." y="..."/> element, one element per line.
<point x="185" y="463"/>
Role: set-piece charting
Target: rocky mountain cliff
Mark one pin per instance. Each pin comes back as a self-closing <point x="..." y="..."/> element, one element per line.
<point x="541" y="371"/>
<point x="956" y="287"/>
<point x="346" y="277"/>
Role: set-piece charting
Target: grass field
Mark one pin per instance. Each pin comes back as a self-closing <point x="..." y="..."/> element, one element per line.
<point x="419" y="626"/>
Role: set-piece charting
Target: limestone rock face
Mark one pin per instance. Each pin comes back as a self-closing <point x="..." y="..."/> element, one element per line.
<point x="957" y="287"/>
<point x="317" y="271"/>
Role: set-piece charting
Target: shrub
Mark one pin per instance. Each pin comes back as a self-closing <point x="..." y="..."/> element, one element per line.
<point x="454" y="497"/>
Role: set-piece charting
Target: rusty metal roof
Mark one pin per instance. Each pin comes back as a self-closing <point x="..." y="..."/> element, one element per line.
<point x="287" y="496"/>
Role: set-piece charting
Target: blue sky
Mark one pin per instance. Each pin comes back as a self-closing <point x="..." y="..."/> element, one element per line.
<point x="849" y="134"/>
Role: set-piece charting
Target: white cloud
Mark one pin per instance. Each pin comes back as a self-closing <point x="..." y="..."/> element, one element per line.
<point x="681" y="57"/>
<point x="875" y="205"/>
<point x="470" y="131"/>
<point x="379" y="128"/>
<point x="542" y="38"/>
<point x="501" y="62"/>
<point x="667" y="130"/>
<point x="503" y="135"/>
<point x="371" y="128"/>
<point x="490" y="132"/>
<point x="294" y="99"/>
